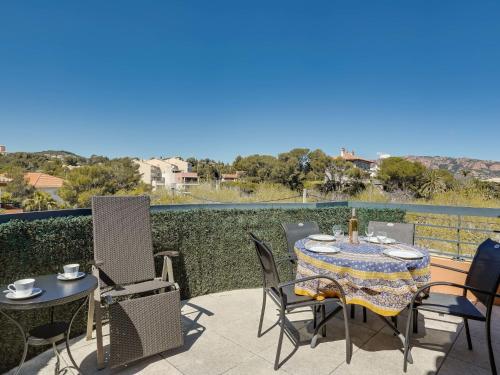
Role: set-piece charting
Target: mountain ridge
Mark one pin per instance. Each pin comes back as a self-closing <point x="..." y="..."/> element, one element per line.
<point x="482" y="169"/>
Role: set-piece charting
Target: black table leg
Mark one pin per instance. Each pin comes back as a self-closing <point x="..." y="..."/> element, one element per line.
<point x="25" y="340"/>
<point x="69" y="331"/>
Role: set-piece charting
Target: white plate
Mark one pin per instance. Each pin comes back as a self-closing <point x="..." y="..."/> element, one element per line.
<point x="35" y="292"/>
<point x="387" y="241"/>
<point x="323" y="249"/>
<point x="403" y="253"/>
<point x="64" y="278"/>
<point x="321" y="237"/>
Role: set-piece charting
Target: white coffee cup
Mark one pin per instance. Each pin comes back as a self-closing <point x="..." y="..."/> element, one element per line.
<point x="22" y="288"/>
<point x="71" y="270"/>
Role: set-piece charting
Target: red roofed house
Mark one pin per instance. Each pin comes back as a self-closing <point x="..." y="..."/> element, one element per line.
<point x="45" y="182"/>
<point x="356" y="160"/>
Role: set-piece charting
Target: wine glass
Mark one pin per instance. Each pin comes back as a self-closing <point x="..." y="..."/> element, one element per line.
<point x="338" y="233"/>
<point x="381" y="237"/>
<point x="369" y="233"/>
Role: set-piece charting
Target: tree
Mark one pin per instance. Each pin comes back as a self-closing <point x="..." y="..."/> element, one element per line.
<point x="400" y="174"/>
<point x="18" y="188"/>
<point x="344" y="177"/>
<point x="258" y="168"/>
<point x="318" y="163"/>
<point x="436" y="181"/>
<point x="103" y="178"/>
<point x="39" y="201"/>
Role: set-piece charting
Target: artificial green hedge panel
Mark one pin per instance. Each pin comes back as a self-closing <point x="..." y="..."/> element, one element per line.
<point x="215" y="251"/>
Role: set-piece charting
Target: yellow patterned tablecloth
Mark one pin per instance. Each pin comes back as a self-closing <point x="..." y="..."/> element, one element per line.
<point x="369" y="278"/>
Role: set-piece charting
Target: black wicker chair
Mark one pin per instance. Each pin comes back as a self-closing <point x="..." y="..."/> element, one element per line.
<point x="284" y="297"/>
<point x="482" y="280"/>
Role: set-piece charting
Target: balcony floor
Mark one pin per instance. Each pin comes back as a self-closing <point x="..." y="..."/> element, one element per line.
<point x="221" y="339"/>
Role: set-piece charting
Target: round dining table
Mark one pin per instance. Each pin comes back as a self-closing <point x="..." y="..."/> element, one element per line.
<point x="367" y="274"/>
<point x="369" y="277"/>
<point x="55" y="292"/>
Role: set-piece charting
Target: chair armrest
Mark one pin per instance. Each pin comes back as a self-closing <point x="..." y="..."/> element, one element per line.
<point x="168" y="253"/>
<point x="449" y="268"/>
<point x="97" y="263"/>
<point x="455" y="285"/>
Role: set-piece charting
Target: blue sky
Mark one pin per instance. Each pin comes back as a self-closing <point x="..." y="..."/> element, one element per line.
<point x="224" y="78"/>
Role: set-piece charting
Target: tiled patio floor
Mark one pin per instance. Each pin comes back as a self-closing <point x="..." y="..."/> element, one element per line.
<point x="221" y="339"/>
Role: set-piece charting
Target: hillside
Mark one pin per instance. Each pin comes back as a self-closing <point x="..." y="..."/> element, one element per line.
<point x="482" y="169"/>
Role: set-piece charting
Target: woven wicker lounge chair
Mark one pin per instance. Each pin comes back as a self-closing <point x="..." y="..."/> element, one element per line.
<point x="144" y="311"/>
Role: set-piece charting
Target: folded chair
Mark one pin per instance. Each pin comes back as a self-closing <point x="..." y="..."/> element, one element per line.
<point x="144" y="310"/>
<point x="282" y="294"/>
<point x="482" y="281"/>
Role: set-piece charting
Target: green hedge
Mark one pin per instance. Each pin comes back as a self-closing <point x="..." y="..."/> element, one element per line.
<point x="215" y="251"/>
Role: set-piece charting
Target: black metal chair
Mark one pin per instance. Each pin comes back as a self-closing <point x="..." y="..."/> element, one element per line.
<point x="285" y="298"/>
<point x="482" y="280"/>
<point x="295" y="232"/>
<point x="401" y="232"/>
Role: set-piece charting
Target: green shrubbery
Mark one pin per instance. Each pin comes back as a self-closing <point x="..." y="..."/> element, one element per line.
<point x="215" y="251"/>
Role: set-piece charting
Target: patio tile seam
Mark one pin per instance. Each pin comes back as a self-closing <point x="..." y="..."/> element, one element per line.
<point x="447" y="353"/>
<point x="260" y="357"/>
<point x="215" y="332"/>
<point x="171" y="364"/>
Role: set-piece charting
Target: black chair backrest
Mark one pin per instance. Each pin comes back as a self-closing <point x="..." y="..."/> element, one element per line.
<point x="267" y="263"/>
<point x="297" y="231"/>
<point x="401" y="232"/>
<point x="484" y="272"/>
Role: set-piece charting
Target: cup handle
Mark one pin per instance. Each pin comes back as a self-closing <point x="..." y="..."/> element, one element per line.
<point x="12" y="288"/>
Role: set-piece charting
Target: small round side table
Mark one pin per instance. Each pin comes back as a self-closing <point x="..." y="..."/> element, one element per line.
<point x="55" y="293"/>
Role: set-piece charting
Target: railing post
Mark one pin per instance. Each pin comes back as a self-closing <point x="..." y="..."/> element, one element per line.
<point x="459" y="225"/>
<point x="304" y="196"/>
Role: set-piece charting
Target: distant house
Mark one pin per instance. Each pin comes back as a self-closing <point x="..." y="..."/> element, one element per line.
<point x="170" y="173"/>
<point x="230" y="177"/>
<point x="182" y="166"/>
<point x="359" y="162"/>
<point x="150" y="174"/>
<point x="45" y="182"/>
<point x="3" y="150"/>
<point x="184" y="179"/>
<point x="4" y="180"/>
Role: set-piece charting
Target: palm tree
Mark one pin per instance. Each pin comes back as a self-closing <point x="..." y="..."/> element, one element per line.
<point x="39" y="201"/>
<point x="433" y="183"/>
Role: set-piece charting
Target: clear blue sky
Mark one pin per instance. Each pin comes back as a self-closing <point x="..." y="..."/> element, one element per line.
<point x="222" y="78"/>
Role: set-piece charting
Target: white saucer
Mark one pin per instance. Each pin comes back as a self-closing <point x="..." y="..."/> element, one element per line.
<point x="321" y="237"/>
<point x="323" y="249"/>
<point x="35" y="292"/>
<point x="403" y="254"/>
<point x="64" y="278"/>
<point x="387" y="241"/>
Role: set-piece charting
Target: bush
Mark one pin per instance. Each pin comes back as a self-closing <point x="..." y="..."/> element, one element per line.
<point x="215" y="252"/>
